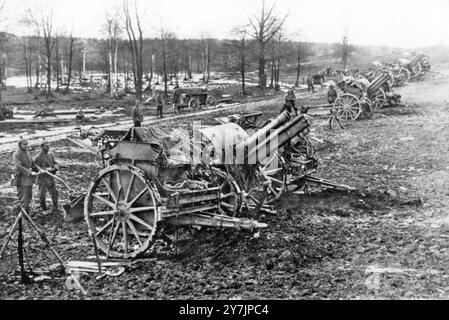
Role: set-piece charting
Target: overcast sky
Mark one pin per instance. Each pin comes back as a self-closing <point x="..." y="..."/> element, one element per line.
<point x="401" y="23"/>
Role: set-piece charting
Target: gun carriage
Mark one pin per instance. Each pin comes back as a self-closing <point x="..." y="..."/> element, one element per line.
<point x="359" y="95"/>
<point x="156" y="183"/>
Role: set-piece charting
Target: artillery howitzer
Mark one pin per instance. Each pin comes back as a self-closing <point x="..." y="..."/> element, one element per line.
<point x="418" y="65"/>
<point x="150" y="189"/>
<point x="398" y="75"/>
<point x="361" y="95"/>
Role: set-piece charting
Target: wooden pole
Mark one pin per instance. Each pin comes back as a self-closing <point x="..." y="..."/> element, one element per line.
<point x="9" y="236"/>
<point x="23" y="274"/>
<point x="43" y="236"/>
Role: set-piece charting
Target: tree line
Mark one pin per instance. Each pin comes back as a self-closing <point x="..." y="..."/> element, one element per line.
<point x="47" y="53"/>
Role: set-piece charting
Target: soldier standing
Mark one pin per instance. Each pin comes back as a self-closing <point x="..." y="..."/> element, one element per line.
<point x="46" y="162"/>
<point x="24" y="175"/>
<point x="176" y="99"/>
<point x="159" y="104"/>
<point x="80" y="117"/>
<point x="137" y="116"/>
<point x="310" y="83"/>
<point x="291" y="96"/>
<point x="331" y="94"/>
<point x="289" y="104"/>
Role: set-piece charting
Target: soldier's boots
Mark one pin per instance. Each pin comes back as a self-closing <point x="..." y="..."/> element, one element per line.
<point x="55" y="206"/>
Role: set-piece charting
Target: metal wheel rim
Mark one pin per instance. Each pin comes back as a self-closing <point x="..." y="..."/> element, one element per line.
<point x="124" y="216"/>
<point x="231" y="202"/>
<point x="211" y="101"/>
<point x="380" y="99"/>
<point x="347" y="107"/>
<point x="417" y="69"/>
<point x="405" y="75"/>
<point x="193" y="104"/>
<point x="277" y="178"/>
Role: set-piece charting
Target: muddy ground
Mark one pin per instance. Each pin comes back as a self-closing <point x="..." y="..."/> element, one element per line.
<point x="388" y="240"/>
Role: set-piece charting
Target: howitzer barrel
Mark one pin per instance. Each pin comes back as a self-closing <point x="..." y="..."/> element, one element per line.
<point x="260" y="150"/>
<point x="415" y="60"/>
<point x="377" y="83"/>
<point x="260" y="135"/>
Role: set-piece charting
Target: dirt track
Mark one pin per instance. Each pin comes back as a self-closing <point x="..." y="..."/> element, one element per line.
<point x="389" y="240"/>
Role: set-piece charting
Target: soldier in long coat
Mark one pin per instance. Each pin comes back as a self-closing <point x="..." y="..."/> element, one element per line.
<point x="25" y="173"/>
<point x="45" y="161"/>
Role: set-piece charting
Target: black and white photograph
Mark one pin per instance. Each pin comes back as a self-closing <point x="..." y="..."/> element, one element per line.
<point x="243" y="151"/>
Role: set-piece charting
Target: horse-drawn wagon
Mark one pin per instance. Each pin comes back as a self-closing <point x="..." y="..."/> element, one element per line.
<point x="193" y="98"/>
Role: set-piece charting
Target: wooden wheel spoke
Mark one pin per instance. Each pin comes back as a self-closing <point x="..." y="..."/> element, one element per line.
<point x="102" y="214"/>
<point x="104" y="227"/>
<point x="141" y="209"/>
<point x="111" y="192"/>
<point x="134" y="232"/>
<point x="227" y="205"/>
<point x="112" y="239"/>
<point x="119" y="183"/>
<point x="130" y="185"/>
<point x="229" y="195"/>
<point x="140" y="221"/>
<point x="109" y="203"/>
<point x="125" y="237"/>
<point x="141" y="193"/>
<point x="352" y="114"/>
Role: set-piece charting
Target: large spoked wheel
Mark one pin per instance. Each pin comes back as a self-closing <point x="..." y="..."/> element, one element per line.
<point x="121" y="211"/>
<point x="391" y="80"/>
<point x="194" y="104"/>
<point x="417" y="69"/>
<point x="231" y="196"/>
<point x="404" y="76"/>
<point x="379" y="99"/>
<point x="211" y="101"/>
<point x="276" y="179"/>
<point x="347" y="108"/>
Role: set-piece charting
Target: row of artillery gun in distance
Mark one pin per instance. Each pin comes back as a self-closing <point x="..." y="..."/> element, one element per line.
<point x="368" y="91"/>
<point x="149" y="190"/>
<point x="400" y="71"/>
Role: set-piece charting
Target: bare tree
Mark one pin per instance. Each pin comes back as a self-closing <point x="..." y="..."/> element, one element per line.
<point x="136" y="47"/>
<point x="58" y="69"/>
<point x="206" y="58"/>
<point x="69" y="75"/>
<point x="27" y="52"/>
<point x="3" y="38"/>
<point x="303" y="51"/>
<point x="44" y="22"/>
<point x="241" y="47"/>
<point x="113" y="30"/>
<point x="265" y="27"/>
<point x="345" y="49"/>
<point x="164" y="37"/>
